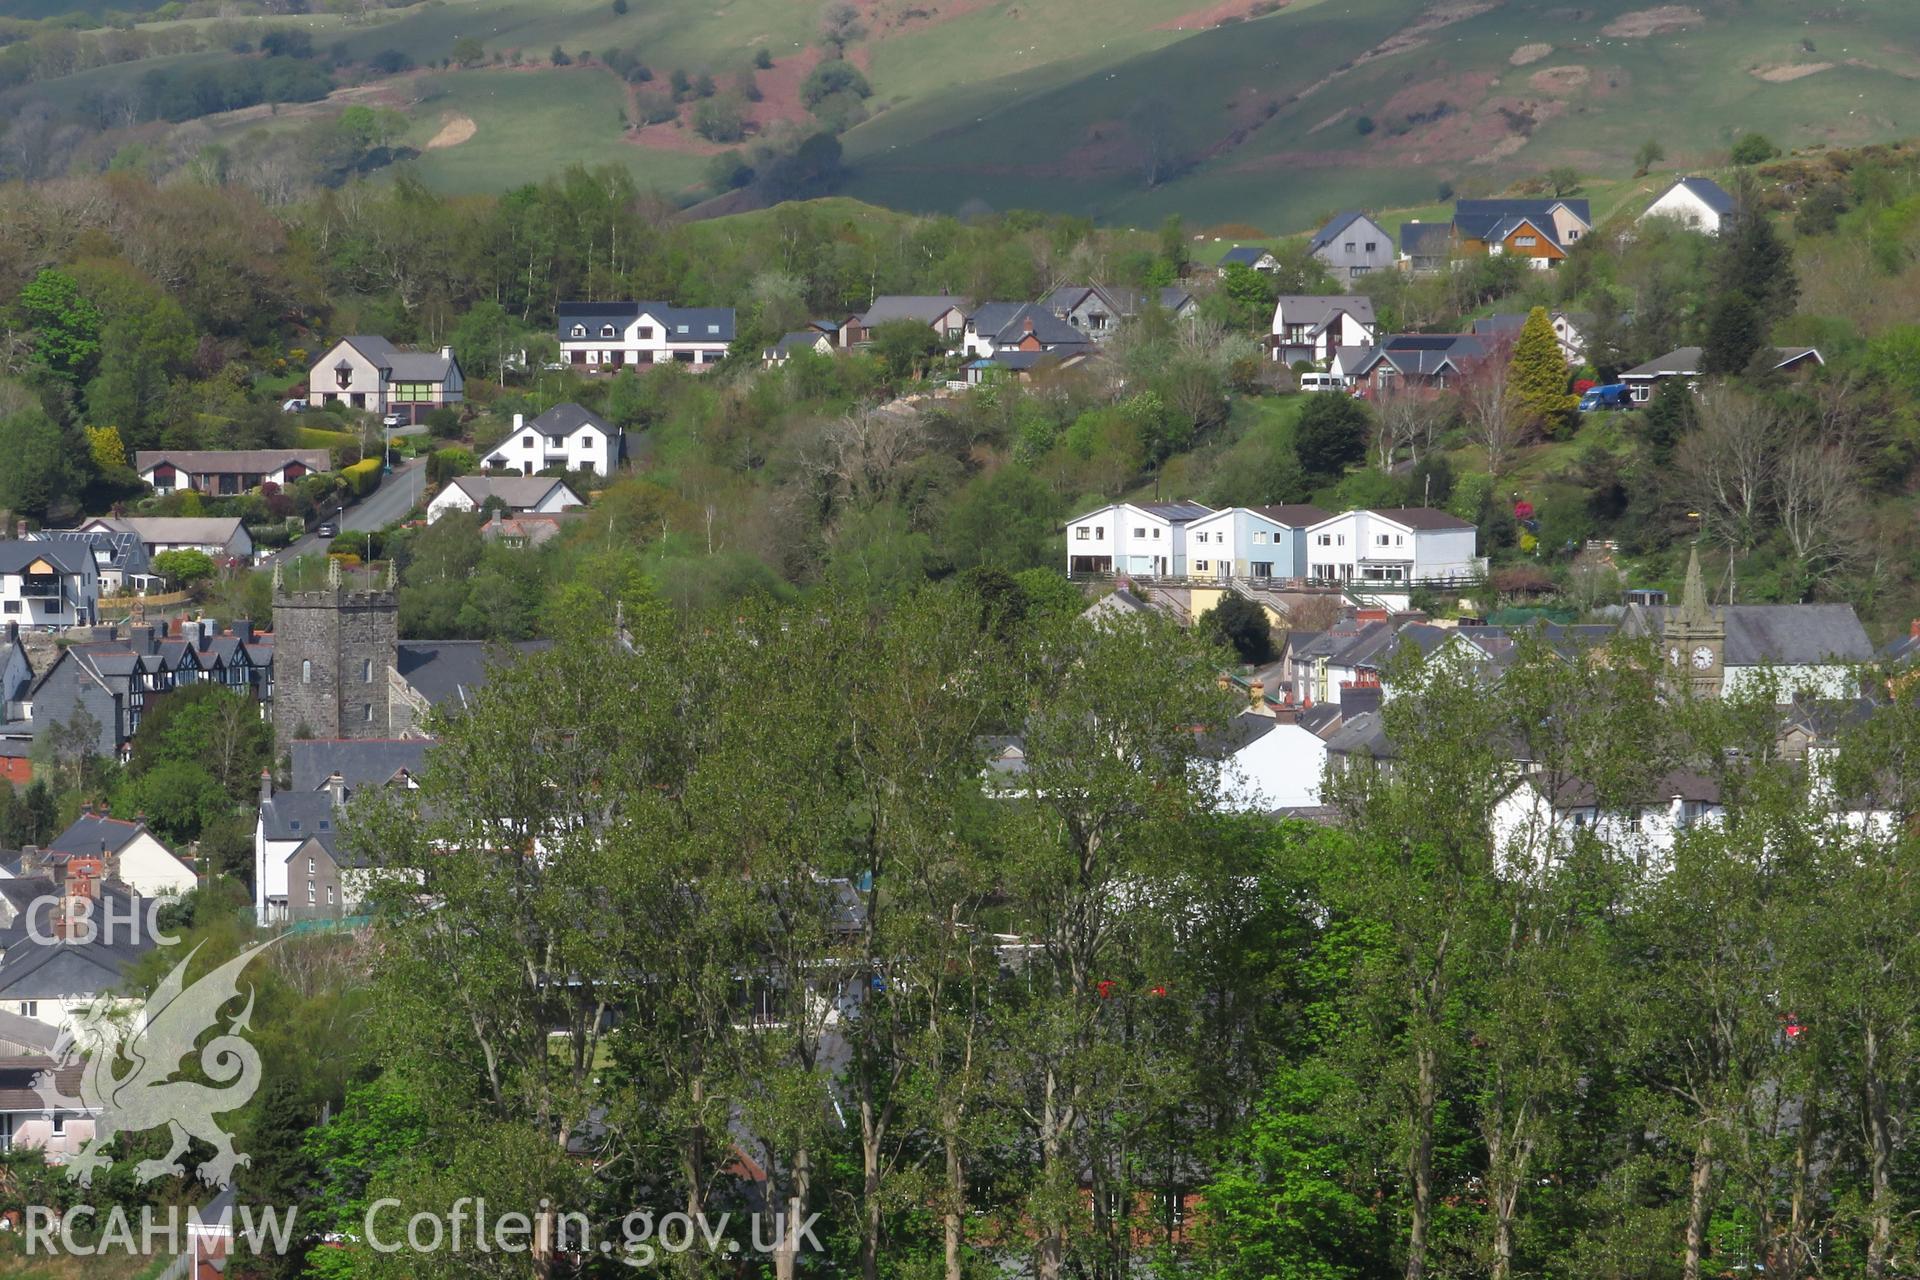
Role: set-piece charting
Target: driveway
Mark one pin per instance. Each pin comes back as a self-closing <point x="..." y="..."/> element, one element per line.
<point x="398" y="494"/>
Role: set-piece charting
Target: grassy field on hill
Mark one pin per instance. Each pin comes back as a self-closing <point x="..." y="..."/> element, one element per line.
<point x="1236" y="112"/>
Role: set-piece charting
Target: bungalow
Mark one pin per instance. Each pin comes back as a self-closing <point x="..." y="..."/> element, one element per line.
<point x="1700" y="204"/>
<point x="226" y="471"/>
<point x="1253" y="542"/>
<point x="604" y="337"/>
<point x="1312" y="327"/>
<point x="1352" y="245"/>
<point x="1687" y="363"/>
<point x="368" y="372"/>
<point x="1411" y="359"/>
<point x="1569" y="330"/>
<point x="131" y="854"/>
<point x="942" y="313"/>
<point x="1018" y="326"/>
<point x="1022" y="365"/>
<point x="1252" y="257"/>
<point x="540" y="494"/>
<point x="1402" y="545"/>
<point x="1134" y="538"/>
<point x="565" y="436"/>
<point x="1098" y="310"/>
<point x="222" y="537"/>
<point x="48" y="585"/>
<point x="818" y="341"/>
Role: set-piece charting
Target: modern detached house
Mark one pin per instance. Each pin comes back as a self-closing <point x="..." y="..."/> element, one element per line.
<point x="48" y="586"/>
<point x="368" y="372"/>
<point x="520" y="495"/>
<point x="1398" y="546"/>
<point x="945" y="314"/>
<point x="1252" y="257"/>
<point x="605" y="337"/>
<point x="1698" y="203"/>
<point x="1688" y="363"/>
<point x="226" y="471"/>
<point x="1353" y="245"/>
<point x="1252" y="542"/>
<point x="565" y="436"/>
<point x="1098" y="310"/>
<point x="1312" y="328"/>
<point x="1541" y="231"/>
<point x="1138" y="538"/>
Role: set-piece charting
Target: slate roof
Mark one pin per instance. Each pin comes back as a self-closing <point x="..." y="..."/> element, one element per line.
<point x="563" y="420"/>
<point x="1785" y="635"/>
<point x="1006" y="323"/>
<point x="25" y="1098"/>
<point x="520" y="493"/>
<point x="799" y="340"/>
<point x="16" y="555"/>
<point x="1295" y="515"/>
<point x="204" y="531"/>
<point x="119" y="548"/>
<point x="1239" y="733"/>
<point x="681" y="324"/>
<point x="94" y="833"/>
<point x="361" y="762"/>
<point x="1707" y="192"/>
<point x="925" y="308"/>
<point x="453" y="670"/>
<point x="1331" y="232"/>
<point x="1483" y="219"/>
<point x="1426" y="239"/>
<point x="1683" y="784"/>
<point x="1421" y="354"/>
<point x="1686" y="362"/>
<point x="299" y="815"/>
<point x="1245" y="255"/>
<point x="20" y="1034"/>
<point x="236" y="461"/>
<point x="1422" y="518"/>
<point x="402" y="365"/>
<point x="31" y="970"/>
<point x="1008" y="358"/>
<point x="1319" y="309"/>
<point x="1362" y="735"/>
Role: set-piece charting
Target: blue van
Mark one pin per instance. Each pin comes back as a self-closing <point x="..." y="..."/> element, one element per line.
<point x="1611" y="396"/>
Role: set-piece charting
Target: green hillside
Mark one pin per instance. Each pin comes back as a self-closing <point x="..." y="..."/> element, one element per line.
<point x="1252" y="112"/>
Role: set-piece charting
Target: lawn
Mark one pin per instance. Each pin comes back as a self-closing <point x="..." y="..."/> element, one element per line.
<point x="518" y="116"/>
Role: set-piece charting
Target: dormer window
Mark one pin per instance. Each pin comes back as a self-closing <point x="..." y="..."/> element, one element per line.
<point x="606" y="331"/>
<point x="343" y="374"/>
<point x="579" y="331"/>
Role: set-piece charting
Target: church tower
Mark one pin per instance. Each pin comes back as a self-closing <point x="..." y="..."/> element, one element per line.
<point x="1695" y="636"/>
<point x="332" y="649"/>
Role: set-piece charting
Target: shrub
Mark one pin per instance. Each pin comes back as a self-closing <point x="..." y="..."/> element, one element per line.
<point x="1754" y="148"/>
<point x="363" y="477"/>
<point x="183" y="568"/>
<point x="831" y="77"/>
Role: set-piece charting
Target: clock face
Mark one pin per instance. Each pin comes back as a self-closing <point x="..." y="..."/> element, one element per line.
<point x="1702" y="658"/>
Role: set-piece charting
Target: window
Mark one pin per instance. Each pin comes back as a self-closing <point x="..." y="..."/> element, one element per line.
<point x="645" y="331"/>
<point x="1080" y="534"/>
<point x="1399" y="540"/>
<point x="1354" y="273"/>
<point x="681" y="328"/>
<point x="1326" y="539"/>
<point x="1200" y="566"/>
<point x="366" y="671"/>
<point x="1200" y="537"/>
<point x="1259" y="535"/>
<point x="1175" y="1206"/>
<point x="329" y="895"/>
<point x="306" y="671"/>
<point x="367" y="713"/>
<point x="606" y="331"/>
<point x="713" y="328"/>
<point x="1349" y="246"/>
<point x="1100" y="531"/>
<point x="1380" y="538"/>
<point x="59" y="1124"/>
<point x="1139" y="533"/>
<point x="1372" y="245"/>
<point x="1340" y="539"/>
<point x="578" y="331"/>
<point x="1573" y="234"/>
<point x="311" y="896"/>
<point x="13" y="606"/>
<point x="309" y="866"/>
<point x="29" y="1008"/>
<point x="1156" y="535"/>
<point x="1525" y="242"/>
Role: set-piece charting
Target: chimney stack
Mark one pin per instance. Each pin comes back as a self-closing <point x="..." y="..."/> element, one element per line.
<point x="243" y="628"/>
<point x="519" y="421"/>
<point x="266" y="785"/>
<point x="337" y="785"/>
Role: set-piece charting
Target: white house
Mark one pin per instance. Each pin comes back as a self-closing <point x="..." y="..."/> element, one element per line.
<point x="1263" y="764"/>
<point x="1401" y="545"/>
<point x="368" y="372"/>
<point x="604" y="337"/>
<point x="1252" y="257"/>
<point x="133" y="855"/>
<point x="1312" y="328"/>
<point x="1537" y="822"/>
<point x="1689" y="364"/>
<point x="1252" y="542"/>
<point x="222" y="537"/>
<point x="521" y="494"/>
<point x="48" y="585"/>
<point x="566" y="436"/>
<point x="1698" y="203"/>
<point x="1136" y="538"/>
<point x="1018" y="326"/>
<point x="818" y="341"/>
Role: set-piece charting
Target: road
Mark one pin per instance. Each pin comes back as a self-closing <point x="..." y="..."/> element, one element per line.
<point x="398" y="494"/>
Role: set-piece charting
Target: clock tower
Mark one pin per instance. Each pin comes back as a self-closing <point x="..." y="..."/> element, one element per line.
<point x="1694" y="636"/>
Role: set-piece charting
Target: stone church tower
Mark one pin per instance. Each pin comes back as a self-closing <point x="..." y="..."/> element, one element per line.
<point x="332" y="649"/>
<point x="1695" y="636"/>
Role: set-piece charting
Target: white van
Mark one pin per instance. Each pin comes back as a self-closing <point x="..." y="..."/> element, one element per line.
<point x="1322" y="382"/>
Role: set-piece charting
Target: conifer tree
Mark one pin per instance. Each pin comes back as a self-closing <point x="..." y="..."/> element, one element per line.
<point x="1540" y="375"/>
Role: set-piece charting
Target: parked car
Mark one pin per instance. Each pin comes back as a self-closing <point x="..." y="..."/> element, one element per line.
<point x="294" y="406"/>
<point x="1612" y="396"/>
<point x="325" y="530"/>
<point x="1322" y="382"/>
<point x="391" y="420"/>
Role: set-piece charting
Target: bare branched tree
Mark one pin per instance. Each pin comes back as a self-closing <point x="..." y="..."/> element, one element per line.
<point x="1820" y="508"/>
<point x="863" y="456"/>
<point x="1728" y="465"/>
<point x="1408" y="417"/>
<point x="1494" y="419"/>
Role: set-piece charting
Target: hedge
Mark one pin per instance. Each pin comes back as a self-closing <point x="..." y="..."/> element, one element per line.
<point x="362" y="477"/>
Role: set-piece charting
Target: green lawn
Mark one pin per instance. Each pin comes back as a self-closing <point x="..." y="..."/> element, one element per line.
<point x="518" y="116"/>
